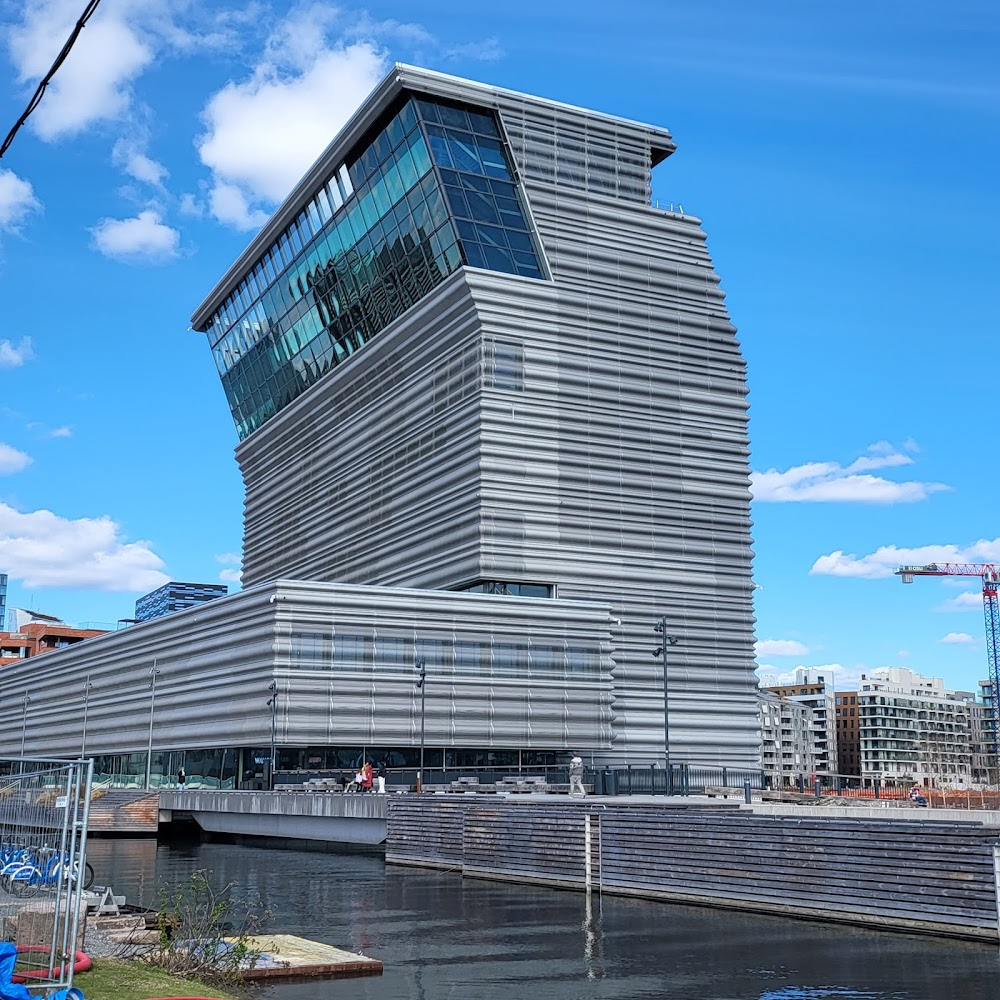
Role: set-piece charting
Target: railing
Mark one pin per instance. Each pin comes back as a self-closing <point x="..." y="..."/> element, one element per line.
<point x="852" y="789"/>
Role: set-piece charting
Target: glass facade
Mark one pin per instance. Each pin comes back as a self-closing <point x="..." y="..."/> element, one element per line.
<point x="175" y="596"/>
<point x="376" y="652"/>
<point x="429" y="191"/>
<point x="3" y="601"/>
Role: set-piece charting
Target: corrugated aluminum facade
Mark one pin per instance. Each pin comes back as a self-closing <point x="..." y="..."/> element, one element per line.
<point x="214" y="664"/>
<point x="614" y="466"/>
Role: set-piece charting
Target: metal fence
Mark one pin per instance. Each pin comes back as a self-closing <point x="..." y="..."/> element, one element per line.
<point x="44" y="807"/>
<point x="679" y="779"/>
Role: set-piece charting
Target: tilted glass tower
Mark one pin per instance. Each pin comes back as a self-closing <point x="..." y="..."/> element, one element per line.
<point x="468" y="353"/>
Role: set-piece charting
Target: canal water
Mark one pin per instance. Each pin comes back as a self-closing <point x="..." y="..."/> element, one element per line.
<point x="443" y="937"/>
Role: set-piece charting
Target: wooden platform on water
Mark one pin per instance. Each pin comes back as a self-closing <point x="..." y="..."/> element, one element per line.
<point x="286" y="956"/>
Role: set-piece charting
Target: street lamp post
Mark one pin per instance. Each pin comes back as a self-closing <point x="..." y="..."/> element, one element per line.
<point x="24" y="719"/>
<point x="421" y="666"/>
<point x="153" y="674"/>
<point x="86" y="711"/>
<point x="273" y="705"/>
<point x="667" y="640"/>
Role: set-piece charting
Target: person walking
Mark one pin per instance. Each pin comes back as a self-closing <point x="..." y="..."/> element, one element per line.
<point x="181" y="778"/>
<point x="576" y="775"/>
<point x="366" y="784"/>
<point x="380" y="776"/>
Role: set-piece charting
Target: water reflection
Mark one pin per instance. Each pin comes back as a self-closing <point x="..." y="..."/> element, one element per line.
<point x="442" y="936"/>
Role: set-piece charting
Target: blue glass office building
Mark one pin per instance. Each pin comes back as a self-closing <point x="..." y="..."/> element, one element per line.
<point x="175" y="596"/>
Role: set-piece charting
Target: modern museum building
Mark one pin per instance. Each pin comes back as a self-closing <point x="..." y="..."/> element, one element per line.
<point x="492" y="416"/>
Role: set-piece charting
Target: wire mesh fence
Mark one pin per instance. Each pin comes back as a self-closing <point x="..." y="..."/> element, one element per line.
<point x="44" y="807"/>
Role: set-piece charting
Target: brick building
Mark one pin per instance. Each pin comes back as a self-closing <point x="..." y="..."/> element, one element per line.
<point x="848" y="738"/>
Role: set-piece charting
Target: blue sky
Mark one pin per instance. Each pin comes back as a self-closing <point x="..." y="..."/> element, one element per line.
<point x="843" y="159"/>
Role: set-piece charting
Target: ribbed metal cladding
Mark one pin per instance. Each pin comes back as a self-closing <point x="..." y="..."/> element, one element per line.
<point x="214" y="664"/>
<point x="617" y="470"/>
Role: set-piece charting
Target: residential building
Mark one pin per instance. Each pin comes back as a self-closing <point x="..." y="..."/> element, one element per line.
<point x="813" y="687"/>
<point x="489" y="398"/>
<point x="911" y="728"/>
<point x="39" y="634"/>
<point x="788" y="733"/>
<point x="848" y="733"/>
<point x="3" y="600"/>
<point x="175" y="596"/>
<point x="985" y="763"/>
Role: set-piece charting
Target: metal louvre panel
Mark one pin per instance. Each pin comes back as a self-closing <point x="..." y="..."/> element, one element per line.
<point x="370" y="477"/>
<point x="609" y="460"/>
<point x="215" y="663"/>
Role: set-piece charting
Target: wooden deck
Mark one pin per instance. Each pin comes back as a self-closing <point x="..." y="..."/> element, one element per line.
<point x="286" y="956"/>
<point x="912" y="875"/>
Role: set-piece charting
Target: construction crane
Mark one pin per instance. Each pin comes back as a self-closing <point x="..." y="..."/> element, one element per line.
<point x="989" y="573"/>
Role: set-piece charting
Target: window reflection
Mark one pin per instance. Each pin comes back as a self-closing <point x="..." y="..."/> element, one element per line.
<point x="375" y="238"/>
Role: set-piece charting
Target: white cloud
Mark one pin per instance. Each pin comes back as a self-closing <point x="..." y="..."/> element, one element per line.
<point x="883" y="562"/>
<point x="12" y="460"/>
<point x="143" y="239"/>
<point x="229" y="205"/>
<point x="229" y="558"/>
<point x="830" y="482"/>
<point x="969" y="600"/>
<point x="93" y="83"/>
<point x="957" y="639"/>
<point x="263" y="133"/>
<point x="779" y="647"/>
<point x="17" y="200"/>
<point x="61" y="432"/>
<point x="15" y="355"/>
<point x="130" y="155"/>
<point x="231" y="575"/>
<point x="488" y="50"/>
<point x="190" y="205"/>
<point x="42" y="549"/>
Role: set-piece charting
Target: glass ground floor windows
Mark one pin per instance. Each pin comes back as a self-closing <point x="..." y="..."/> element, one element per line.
<point x="248" y="767"/>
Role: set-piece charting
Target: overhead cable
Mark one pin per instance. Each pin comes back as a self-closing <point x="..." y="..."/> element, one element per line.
<point x="60" y="59"/>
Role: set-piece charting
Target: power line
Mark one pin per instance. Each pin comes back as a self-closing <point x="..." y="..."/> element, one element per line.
<point x="60" y="59"/>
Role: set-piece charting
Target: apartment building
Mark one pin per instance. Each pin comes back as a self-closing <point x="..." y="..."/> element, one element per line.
<point x="788" y="737"/>
<point x="912" y="728"/>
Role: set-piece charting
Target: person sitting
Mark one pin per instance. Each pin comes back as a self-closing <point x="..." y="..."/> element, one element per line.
<point x="917" y="796"/>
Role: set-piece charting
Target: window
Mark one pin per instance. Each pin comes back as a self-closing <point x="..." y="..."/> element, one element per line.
<point x="468" y="658"/>
<point x="309" y="651"/>
<point x="505" y="365"/>
<point x="351" y="652"/>
<point x="393" y="653"/>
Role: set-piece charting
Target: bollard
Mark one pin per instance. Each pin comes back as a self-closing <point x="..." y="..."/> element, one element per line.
<point x="817" y="788"/>
<point x="746" y="792"/>
<point x="876" y="785"/>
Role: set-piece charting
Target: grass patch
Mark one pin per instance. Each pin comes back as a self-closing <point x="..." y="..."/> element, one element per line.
<point x="115" y="979"/>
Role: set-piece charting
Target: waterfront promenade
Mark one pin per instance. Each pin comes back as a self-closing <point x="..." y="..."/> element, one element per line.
<point x="915" y="870"/>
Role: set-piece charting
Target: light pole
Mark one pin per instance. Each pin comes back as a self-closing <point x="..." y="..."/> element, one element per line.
<point x="24" y="719"/>
<point x="273" y="705"/>
<point x="421" y="666"/>
<point x="667" y="640"/>
<point x="86" y="710"/>
<point x="153" y="674"/>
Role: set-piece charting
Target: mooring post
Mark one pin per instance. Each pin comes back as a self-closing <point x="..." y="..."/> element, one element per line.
<point x="747" y="798"/>
<point x="587" y="865"/>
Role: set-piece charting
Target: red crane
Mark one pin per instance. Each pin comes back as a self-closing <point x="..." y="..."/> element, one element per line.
<point x="989" y="573"/>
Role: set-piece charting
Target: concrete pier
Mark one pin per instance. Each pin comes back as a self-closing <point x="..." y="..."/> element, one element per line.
<point x="330" y="817"/>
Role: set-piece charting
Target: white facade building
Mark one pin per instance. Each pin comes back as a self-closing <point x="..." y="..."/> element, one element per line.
<point x="788" y="736"/>
<point x="912" y="728"/>
<point x="813" y="688"/>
